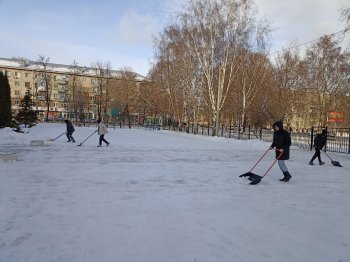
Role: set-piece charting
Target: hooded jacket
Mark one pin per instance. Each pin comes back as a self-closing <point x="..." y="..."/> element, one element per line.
<point x="281" y="140"/>
<point x="70" y="127"/>
<point x="320" y="140"/>
<point x="101" y="128"/>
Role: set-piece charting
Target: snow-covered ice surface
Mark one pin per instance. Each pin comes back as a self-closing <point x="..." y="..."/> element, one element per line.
<point x="163" y="196"/>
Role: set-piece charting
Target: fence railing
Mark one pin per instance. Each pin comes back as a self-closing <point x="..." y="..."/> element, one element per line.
<point x="338" y="139"/>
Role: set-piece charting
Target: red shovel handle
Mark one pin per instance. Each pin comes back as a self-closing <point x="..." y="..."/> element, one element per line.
<point x="281" y="153"/>
<point x="260" y="159"/>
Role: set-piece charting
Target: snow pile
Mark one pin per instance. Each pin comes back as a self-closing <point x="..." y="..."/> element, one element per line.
<point x="166" y="196"/>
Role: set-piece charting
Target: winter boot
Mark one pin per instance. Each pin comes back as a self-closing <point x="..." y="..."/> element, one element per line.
<point x="322" y="163"/>
<point x="311" y="163"/>
<point x="99" y="145"/>
<point x="286" y="177"/>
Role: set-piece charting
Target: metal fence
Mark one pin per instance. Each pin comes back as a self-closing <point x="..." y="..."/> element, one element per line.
<point x="338" y="139"/>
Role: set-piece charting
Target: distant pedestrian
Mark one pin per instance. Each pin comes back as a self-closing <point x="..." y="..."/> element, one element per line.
<point x="70" y="130"/>
<point x="102" y="130"/>
<point x="319" y="142"/>
<point x="281" y="143"/>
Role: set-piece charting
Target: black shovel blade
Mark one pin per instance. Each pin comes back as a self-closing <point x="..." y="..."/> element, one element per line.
<point x="336" y="163"/>
<point x="255" y="179"/>
<point x="246" y="174"/>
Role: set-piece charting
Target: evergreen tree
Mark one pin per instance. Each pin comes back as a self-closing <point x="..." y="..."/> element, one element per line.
<point x="5" y="102"/>
<point x="26" y="115"/>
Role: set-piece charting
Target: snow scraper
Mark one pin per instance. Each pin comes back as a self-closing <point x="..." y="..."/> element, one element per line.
<point x="254" y="178"/>
<point x="87" y="138"/>
<point x="57" y="137"/>
<point x="334" y="163"/>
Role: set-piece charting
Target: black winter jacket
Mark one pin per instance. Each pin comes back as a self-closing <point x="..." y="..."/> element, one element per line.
<point x="70" y="128"/>
<point x="281" y="140"/>
<point x="320" y="141"/>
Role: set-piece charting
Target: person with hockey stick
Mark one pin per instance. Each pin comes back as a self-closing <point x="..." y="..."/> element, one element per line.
<point x="102" y="130"/>
<point x="319" y="142"/>
<point x="70" y="130"/>
<point x="281" y="143"/>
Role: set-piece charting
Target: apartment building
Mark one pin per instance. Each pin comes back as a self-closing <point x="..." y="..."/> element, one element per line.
<point x="89" y="100"/>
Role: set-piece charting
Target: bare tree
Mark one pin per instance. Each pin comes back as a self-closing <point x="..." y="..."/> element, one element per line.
<point x="345" y="15"/>
<point x="249" y="80"/>
<point x="175" y="71"/>
<point x="218" y="31"/>
<point x="74" y="84"/>
<point x="325" y="74"/>
<point x="45" y="82"/>
<point x="102" y="73"/>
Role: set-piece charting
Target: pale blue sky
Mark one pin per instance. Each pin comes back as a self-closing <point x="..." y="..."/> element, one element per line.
<point x="121" y="31"/>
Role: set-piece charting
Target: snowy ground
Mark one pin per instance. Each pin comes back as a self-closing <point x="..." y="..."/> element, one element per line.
<point x="161" y="196"/>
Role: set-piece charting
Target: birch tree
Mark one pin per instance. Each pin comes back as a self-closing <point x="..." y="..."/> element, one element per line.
<point x="250" y="79"/>
<point x="218" y="30"/>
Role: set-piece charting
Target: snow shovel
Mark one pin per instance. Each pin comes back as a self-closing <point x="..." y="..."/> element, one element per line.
<point x="87" y="138"/>
<point x="249" y="173"/>
<point x="57" y="137"/>
<point x="254" y="178"/>
<point x="334" y="163"/>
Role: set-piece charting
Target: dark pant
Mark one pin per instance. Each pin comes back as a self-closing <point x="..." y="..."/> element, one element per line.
<point x="317" y="154"/>
<point x="69" y="136"/>
<point x="102" y="138"/>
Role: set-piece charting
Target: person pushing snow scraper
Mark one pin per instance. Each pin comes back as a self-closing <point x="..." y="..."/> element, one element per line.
<point x="102" y="130"/>
<point x="281" y="142"/>
<point x="319" y="142"/>
<point x="70" y="130"/>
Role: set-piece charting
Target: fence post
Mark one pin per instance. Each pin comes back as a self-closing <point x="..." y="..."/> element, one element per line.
<point x="312" y="137"/>
<point x="349" y="141"/>
<point x="239" y="130"/>
<point x="260" y="133"/>
<point x="325" y="146"/>
<point x="249" y="132"/>
<point x="222" y="130"/>
<point x="229" y="134"/>
<point x="208" y="129"/>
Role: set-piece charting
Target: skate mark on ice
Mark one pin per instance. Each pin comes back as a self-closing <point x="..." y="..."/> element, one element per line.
<point x="21" y="239"/>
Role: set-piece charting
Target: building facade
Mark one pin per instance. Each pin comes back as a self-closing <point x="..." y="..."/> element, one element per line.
<point x="64" y="91"/>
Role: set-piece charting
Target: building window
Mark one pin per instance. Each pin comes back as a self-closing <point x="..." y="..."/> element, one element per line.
<point x="17" y="93"/>
<point x="16" y="102"/>
<point x="27" y="84"/>
<point x="55" y="104"/>
<point x="55" y="96"/>
<point x="16" y="84"/>
<point x="26" y="75"/>
<point x="8" y="73"/>
<point x="17" y="74"/>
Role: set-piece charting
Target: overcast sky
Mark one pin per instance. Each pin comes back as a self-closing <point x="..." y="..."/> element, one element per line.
<point x="121" y="31"/>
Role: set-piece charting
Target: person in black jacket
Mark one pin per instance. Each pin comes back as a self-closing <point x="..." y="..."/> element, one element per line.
<point x="319" y="142"/>
<point x="281" y="143"/>
<point x="70" y="130"/>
